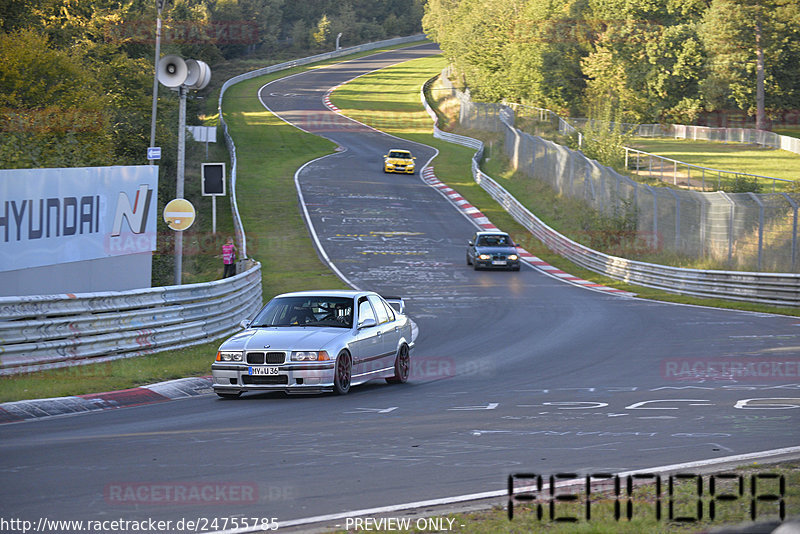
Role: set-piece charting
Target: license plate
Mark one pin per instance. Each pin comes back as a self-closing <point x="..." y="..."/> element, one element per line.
<point x="262" y="371"/>
<point x="498" y="262"/>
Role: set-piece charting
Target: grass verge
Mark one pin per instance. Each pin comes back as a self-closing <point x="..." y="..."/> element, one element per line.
<point x="389" y="100"/>
<point x="735" y="157"/>
<point x="268" y="151"/>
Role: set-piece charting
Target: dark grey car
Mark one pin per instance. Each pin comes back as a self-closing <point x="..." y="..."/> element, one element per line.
<point x="492" y="250"/>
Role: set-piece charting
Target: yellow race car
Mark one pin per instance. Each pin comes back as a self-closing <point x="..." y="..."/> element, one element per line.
<point x="398" y="160"/>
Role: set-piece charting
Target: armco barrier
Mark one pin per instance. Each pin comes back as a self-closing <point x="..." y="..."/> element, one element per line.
<point x="50" y="331"/>
<point x="767" y="288"/>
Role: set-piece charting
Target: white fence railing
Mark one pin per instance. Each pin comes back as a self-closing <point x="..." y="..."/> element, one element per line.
<point x="50" y="331"/>
<point x="767" y="288"/>
<point x="676" y="172"/>
<point x="721" y="135"/>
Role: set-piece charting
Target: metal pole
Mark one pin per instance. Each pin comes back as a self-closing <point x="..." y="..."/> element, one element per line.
<point x="794" y="229"/>
<point x="730" y="226"/>
<point x="655" y="217"/>
<point x="677" y="218"/>
<point x="179" y="185"/>
<point x="214" y="214"/>
<point x="159" y="5"/>
<point x="760" y="227"/>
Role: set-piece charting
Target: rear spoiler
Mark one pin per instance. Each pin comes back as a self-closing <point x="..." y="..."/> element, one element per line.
<point x="397" y="303"/>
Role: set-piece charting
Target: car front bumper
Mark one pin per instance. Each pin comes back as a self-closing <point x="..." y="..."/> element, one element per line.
<point x="291" y="377"/>
<point x="493" y="264"/>
<point x="401" y="169"/>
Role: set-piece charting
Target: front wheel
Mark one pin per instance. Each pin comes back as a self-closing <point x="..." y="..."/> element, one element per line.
<point x="344" y="369"/>
<point x="402" y="366"/>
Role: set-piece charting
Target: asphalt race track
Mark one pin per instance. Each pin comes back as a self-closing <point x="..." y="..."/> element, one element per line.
<point x="513" y="372"/>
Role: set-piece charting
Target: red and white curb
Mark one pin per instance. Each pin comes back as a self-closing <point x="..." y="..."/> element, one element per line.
<point x="327" y="100"/>
<point x="481" y="220"/>
<point x="14" y="412"/>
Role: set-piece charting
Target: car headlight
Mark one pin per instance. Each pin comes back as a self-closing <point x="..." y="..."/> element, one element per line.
<point x="229" y="356"/>
<point x="309" y="356"/>
<point x="485" y="257"/>
<point x="513" y="257"/>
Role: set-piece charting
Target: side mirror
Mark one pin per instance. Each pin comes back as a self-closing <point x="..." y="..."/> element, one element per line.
<point x="470" y="243"/>
<point x="245" y="324"/>
<point x="367" y="323"/>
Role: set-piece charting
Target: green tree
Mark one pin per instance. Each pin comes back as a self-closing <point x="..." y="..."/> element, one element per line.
<point x="754" y="51"/>
<point x="55" y="110"/>
<point x="322" y="32"/>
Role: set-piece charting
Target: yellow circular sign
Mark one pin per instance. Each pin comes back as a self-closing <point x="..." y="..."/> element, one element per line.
<point x="179" y="214"/>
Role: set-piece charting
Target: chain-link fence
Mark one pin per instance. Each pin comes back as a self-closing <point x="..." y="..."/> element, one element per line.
<point x="744" y="231"/>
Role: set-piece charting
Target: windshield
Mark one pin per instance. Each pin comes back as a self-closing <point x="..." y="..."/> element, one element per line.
<point x="307" y="311"/>
<point x="396" y="154"/>
<point x="494" y="241"/>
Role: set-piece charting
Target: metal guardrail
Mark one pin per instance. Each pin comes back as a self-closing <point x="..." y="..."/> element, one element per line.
<point x="767" y="288"/>
<point x="50" y="331"/>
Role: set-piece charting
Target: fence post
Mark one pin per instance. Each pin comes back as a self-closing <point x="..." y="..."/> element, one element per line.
<point x="674" y="172"/>
<point x="760" y="227"/>
<point x="794" y="230"/>
<point x="655" y="216"/>
<point x="703" y="225"/>
<point x="730" y="226"/>
<point x="677" y="218"/>
<point x="571" y="171"/>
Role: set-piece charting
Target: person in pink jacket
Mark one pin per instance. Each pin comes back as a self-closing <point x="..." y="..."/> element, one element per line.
<point x="229" y="258"/>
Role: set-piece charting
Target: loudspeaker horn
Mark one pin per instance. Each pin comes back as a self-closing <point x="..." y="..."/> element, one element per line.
<point x="199" y="74"/>
<point x="172" y="71"/>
